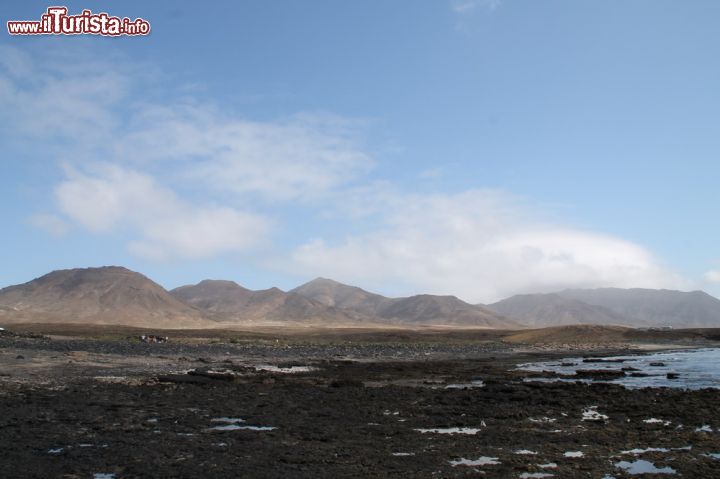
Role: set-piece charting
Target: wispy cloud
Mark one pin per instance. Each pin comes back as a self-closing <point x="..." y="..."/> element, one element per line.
<point x="129" y="162"/>
<point x="298" y="157"/>
<point x="466" y="6"/>
<point x="53" y="224"/>
<point x="46" y="97"/>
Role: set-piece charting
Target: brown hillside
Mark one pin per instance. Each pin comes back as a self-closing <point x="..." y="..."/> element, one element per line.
<point x="106" y="295"/>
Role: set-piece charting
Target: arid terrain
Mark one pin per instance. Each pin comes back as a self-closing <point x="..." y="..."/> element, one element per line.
<point x="353" y="239"/>
<point x="79" y="402"/>
<point x="114" y="295"/>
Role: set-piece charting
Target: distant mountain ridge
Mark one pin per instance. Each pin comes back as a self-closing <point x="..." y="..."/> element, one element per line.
<point x="117" y="296"/>
<point x="543" y="310"/>
<point x="614" y="306"/>
<point x="232" y="302"/>
<point x="654" y="307"/>
<point x="420" y="309"/>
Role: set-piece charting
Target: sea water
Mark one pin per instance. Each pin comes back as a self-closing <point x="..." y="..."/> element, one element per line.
<point x="695" y="369"/>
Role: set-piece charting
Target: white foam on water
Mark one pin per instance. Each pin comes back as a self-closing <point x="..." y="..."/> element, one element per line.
<point x="647" y="449"/>
<point x="480" y="461"/>
<point x="103" y="475"/>
<point x="574" y="454"/>
<point x="403" y="454"/>
<point x="470" y="385"/>
<point x="643" y="467"/>
<point x="653" y="420"/>
<point x="714" y="455"/>
<point x="543" y="419"/>
<point x="238" y="427"/>
<point x="288" y="370"/>
<point x="704" y="428"/>
<point x="526" y="452"/>
<point x="549" y="465"/>
<point x="56" y="451"/>
<point x="231" y="420"/>
<point x="533" y="475"/>
<point x="591" y="414"/>
<point x="450" y="430"/>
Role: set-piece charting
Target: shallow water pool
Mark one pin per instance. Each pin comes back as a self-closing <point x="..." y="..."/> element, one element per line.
<point x="688" y="369"/>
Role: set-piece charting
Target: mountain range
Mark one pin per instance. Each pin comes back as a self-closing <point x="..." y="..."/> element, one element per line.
<point x="228" y="301"/>
<point x="116" y="295"/>
<point x="654" y="307"/>
<point x="422" y="309"/>
<point x="553" y="309"/>
<point x="634" y="307"/>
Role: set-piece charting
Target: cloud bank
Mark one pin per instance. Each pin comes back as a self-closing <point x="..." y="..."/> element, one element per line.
<point x="712" y="276"/>
<point x="481" y="245"/>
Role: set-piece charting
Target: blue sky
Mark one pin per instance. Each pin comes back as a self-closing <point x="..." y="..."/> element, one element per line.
<point x="473" y="147"/>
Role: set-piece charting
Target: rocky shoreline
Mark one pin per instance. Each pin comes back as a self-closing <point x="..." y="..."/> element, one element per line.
<point x="81" y="407"/>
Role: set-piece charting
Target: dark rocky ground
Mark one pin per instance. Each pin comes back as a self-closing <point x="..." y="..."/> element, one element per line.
<point x="80" y="407"/>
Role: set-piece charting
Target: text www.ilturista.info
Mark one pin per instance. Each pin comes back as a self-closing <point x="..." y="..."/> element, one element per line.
<point x="56" y="21"/>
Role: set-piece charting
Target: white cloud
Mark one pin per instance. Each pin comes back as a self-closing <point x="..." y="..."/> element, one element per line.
<point x="61" y="96"/>
<point x="15" y="61"/>
<point x="53" y="224"/>
<point x="85" y="109"/>
<point x="88" y="107"/>
<point x="465" y="6"/>
<point x="304" y="156"/>
<point x="712" y="276"/>
<point x="482" y="246"/>
<point x="114" y="199"/>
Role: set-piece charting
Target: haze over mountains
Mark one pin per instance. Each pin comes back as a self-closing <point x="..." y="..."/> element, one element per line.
<point x="655" y="307"/>
<point x="543" y="310"/>
<point x="116" y="295"/>
<point x="614" y="306"/>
